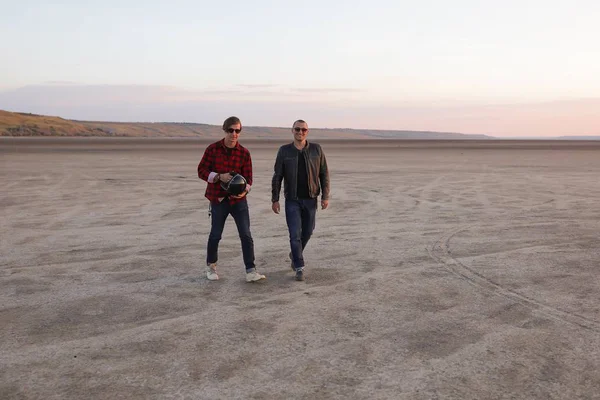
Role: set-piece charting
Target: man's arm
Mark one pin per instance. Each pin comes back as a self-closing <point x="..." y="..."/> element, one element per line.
<point x="205" y="165"/>
<point x="324" y="177"/>
<point x="247" y="171"/>
<point x="278" y="171"/>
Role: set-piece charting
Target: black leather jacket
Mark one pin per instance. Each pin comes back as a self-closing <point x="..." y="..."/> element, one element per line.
<point x="286" y="166"/>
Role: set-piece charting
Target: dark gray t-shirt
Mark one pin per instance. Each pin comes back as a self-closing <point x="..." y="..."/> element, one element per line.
<point x="302" y="189"/>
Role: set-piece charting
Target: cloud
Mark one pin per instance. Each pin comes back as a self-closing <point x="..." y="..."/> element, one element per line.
<point x="83" y="94"/>
<point x="74" y="95"/>
<point x="258" y="86"/>
<point x="327" y="90"/>
<point x="60" y="83"/>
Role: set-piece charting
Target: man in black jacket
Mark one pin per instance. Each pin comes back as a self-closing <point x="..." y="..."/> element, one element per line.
<point x="303" y="169"/>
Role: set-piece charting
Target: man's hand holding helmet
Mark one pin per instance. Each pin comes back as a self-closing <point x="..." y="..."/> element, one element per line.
<point x="224" y="177"/>
<point x="239" y="196"/>
<point x="234" y="184"/>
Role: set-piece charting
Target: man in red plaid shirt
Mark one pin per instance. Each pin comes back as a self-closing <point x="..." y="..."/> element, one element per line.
<point x="220" y="159"/>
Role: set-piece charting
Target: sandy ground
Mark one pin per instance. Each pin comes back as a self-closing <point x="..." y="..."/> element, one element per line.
<point x="441" y="270"/>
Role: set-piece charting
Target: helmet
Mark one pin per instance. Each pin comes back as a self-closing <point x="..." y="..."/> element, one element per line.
<point x="236" y="185"/>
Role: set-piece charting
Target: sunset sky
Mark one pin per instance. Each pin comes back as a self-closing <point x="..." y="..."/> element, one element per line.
<point x="507" y="69"/>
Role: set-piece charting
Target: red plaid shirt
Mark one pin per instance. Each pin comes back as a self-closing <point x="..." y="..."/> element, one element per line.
<point x="221" y="159"/>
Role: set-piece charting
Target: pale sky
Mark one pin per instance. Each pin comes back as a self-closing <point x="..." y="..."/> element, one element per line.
<point x="511" y="68"/>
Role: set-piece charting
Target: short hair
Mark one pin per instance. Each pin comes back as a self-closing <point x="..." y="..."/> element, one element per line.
<point x="299" y="120"/>
<point x="231" y="121"/>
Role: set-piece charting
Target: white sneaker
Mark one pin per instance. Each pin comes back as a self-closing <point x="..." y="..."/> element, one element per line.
<point x="254" y="276"/>
<point x="211" y="272"/>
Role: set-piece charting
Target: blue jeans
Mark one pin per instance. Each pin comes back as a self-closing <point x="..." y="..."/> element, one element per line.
<point x="241" y="216"/>
<point x="300" y="217"/>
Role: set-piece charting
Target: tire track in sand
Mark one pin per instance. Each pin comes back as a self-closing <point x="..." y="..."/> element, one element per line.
<point x="440" y="252"/>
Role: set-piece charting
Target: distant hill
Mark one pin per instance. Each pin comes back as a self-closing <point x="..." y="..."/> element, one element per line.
<point x="24" y="124"/>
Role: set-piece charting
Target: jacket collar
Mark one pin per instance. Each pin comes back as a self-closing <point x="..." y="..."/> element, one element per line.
<point x="304" y="148"/>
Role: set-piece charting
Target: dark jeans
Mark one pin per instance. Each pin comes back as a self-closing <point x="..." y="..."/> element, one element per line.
<point x="241" y="216"/>
<point x="300" y="217"/>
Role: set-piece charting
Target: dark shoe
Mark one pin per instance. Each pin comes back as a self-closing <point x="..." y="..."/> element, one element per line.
<point x="299" y="275"/>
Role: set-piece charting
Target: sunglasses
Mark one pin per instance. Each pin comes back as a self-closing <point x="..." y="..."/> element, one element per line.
<point x="231" y="130"/>
<point x="300" y="129"/>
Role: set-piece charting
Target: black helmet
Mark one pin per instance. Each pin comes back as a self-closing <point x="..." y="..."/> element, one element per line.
<point x="236" y="185"/>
